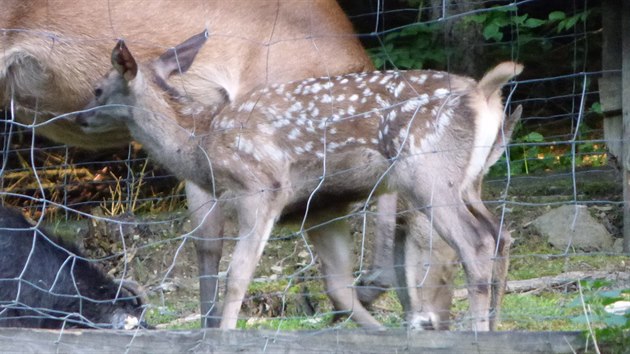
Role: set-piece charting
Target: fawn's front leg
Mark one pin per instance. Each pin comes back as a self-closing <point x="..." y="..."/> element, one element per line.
<point x="208" y="220"/>
<point x="256" y="216"/>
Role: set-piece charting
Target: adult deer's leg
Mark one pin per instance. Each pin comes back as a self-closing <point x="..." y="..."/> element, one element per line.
<point x="257" y="214"/>
<point x="207" y="217"/>
<point x="333" y="245"/>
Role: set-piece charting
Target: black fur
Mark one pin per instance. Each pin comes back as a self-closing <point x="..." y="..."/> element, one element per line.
<point x="57" y="286"/>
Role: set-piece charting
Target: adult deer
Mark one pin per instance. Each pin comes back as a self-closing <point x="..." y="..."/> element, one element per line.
<point x="303" y="150"/>
<point x="52" y="52"/>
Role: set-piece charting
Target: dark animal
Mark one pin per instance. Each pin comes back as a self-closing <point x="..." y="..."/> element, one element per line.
<point x="47" y="283"/>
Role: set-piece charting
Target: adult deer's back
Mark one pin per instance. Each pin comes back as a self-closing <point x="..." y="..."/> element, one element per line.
<point x="53" y="51"/>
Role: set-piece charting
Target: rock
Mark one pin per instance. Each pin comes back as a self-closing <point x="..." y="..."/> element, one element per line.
<point x="618" y="308"/>
<point x="587" y="235"/>
<point x="618" y="245"/>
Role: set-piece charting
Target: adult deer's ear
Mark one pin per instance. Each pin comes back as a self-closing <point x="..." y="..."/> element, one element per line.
<point x="179" y="59"/>
<point x="123" y="61"/>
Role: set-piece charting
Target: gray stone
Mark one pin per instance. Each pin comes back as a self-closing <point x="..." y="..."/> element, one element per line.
<point x="587" y="234"/>
<point x="618" y="245"/>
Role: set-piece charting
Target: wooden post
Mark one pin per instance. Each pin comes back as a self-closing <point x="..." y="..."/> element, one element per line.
<point x="625" y="83"/>
<point x="614" y="92"/>
<point x="610" y="82"/>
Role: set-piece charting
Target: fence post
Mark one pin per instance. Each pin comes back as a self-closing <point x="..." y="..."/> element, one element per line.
<point x="625" y="78"/>
<point x="614" y="92"/>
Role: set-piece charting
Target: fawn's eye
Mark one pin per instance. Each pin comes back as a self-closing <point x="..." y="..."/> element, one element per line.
<point x="98" y="92"/>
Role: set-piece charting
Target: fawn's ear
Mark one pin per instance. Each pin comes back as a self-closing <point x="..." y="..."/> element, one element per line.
<point x="123" y="61"/>
<point x="516" y="115"/>
<point x="179" y="59"/>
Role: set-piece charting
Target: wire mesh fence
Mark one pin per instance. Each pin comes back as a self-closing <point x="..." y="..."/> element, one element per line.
<point x="556" y="188"/>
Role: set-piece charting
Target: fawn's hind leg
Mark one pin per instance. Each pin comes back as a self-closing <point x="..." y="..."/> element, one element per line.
<point x="333" y="245"/>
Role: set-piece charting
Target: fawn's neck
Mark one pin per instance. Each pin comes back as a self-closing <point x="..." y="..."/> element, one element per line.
<point x="172" y="146"/>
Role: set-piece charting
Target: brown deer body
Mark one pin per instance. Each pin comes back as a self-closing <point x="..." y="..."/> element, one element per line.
<point x="53" y="51"/>
<point x="306" y="149"/>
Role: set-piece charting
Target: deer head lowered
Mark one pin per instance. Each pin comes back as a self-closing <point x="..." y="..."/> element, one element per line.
<point x="305" y="149"/>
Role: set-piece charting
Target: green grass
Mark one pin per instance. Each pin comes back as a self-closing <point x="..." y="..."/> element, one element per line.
<point x="288" y="323"/>
<point x="533" y="258"/>
<point x="548" y="311"/>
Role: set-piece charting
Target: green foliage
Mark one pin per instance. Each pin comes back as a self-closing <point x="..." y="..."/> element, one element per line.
<point x="612" y="331"/>
<point x="414" y="46"/>
<point x="531" y="153"/>
<point x="422" y="44"/>
<point x="508" y="32"/>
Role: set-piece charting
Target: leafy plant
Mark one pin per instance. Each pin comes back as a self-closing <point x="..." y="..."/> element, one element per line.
<point x="611" y="330"/>
<point x="414" y="46"/>
<point x="420" y="45"/>
<point x="532" y="153"/>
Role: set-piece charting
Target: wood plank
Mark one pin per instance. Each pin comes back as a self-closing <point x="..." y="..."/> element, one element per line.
<point x="302" y="342"/>
<point x="610" y="82"/>
<point x="625" y="82"/>
<point x="552" y="281"/>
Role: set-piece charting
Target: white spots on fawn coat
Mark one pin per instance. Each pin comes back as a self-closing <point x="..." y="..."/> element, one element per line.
<point x="383" y="103"/>
<point x="294" y="134"/>
<point x="441" y="93"/>
<point x="257" y="150"/>
<point x="391" y="115"/>
<point x="247" y="106"/>
<point x="280" y="123"/>
<point x="385" y="79"/>
<point x="396" y="89"/>
<point x="315" y="88"/>
<point x="420" y="80"/>
<point x="442" y="120"/>
<point x="315" y="117"/>
<point x="330" y="147"/>
<point x="244" y="145"/>
<point x="296" y="107"/>
<point x="280" y="89"/>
